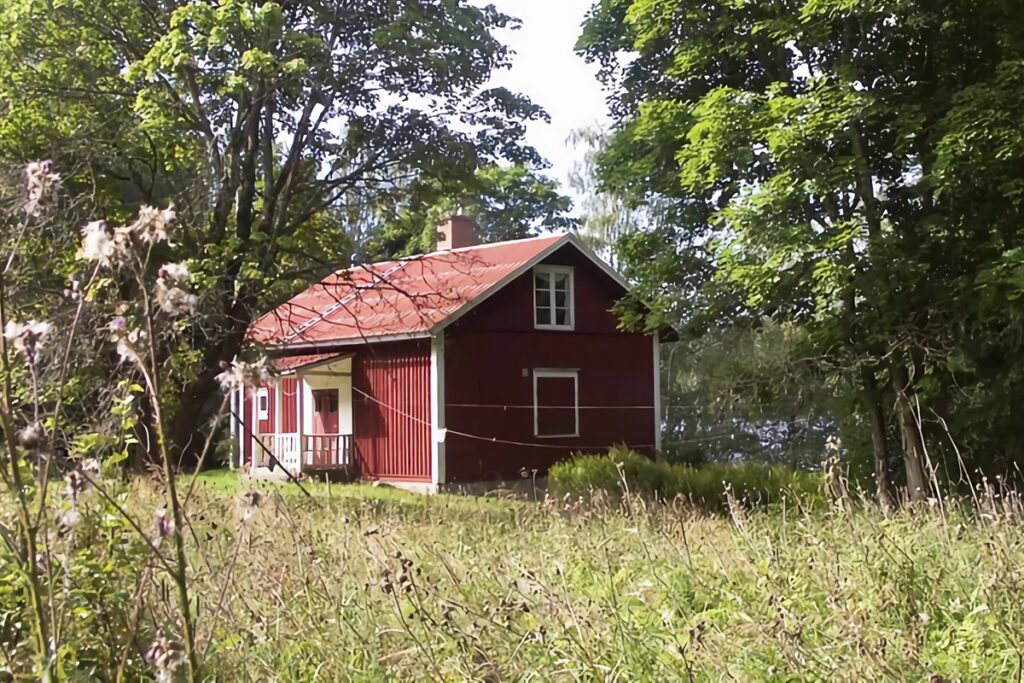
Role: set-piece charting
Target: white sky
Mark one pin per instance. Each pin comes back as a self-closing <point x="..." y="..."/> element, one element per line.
<point x="546" y="69"/>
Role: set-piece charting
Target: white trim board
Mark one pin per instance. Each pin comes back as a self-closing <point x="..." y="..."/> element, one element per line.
<point x="570" y="297"/>
<point x="556" y="373"/>
<point x="437" y="410"/>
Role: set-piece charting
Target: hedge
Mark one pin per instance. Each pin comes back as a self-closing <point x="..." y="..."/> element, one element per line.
<point x="621" y="469"/>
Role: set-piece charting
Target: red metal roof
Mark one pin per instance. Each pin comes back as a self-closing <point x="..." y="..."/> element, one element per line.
<point x="407" y="297"/>
<point x="285" y="364"/>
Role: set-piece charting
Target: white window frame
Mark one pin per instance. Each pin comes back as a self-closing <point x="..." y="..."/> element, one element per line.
<point x="548" y="373"/>
<point x="570" y="297"/>
<point x="262" y="413"/>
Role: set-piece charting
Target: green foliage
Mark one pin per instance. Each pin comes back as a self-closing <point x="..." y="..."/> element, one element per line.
<point x="707" y="486"/>
<point x="849" y="168"/>
<point x="506" y="202"/>
<point x="281" y="132"/>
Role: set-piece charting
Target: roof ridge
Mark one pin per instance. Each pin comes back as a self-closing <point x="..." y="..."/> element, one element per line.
<point x="439" y="252"/>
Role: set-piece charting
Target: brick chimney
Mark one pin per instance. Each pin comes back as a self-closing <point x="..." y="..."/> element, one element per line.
<point x="456" y="232"/>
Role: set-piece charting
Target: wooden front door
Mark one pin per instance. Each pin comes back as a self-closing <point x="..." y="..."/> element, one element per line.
<point x="325" y="421"/>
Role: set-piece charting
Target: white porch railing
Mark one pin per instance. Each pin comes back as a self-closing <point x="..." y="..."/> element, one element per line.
<point x="297" y="452"/>
<point x="326" y="451"/>
<point x="284" y="447"/>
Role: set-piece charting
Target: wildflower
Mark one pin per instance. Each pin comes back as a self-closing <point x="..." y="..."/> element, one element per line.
<point x="32" y="436"/>
<point x="165" y="655"/>
<point x="164" y="524"/>
<point x="27" y="338"/>
<point x="169" y="296"/>
<point x="152" y="224"/>
<point x="174" y="272"/>
<point x="79" y="481"/>
<point x="40" y="182"/>
<point x="67" y="520"/>
<point x="251" y="500"/>
<point x="129" y="342"/>
<point x="91" y="467"/>
<point x="99" y="244"/>
<point x="242" y="374"/>
<point x="71" y="290"/>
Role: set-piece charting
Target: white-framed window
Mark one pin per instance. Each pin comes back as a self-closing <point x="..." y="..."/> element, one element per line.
<point x="553" y="298"/>
<point x="262" y="404"/>
<point x="556" y="403"/>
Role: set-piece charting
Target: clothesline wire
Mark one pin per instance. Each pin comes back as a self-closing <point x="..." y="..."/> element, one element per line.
<point x="478" y="437"/>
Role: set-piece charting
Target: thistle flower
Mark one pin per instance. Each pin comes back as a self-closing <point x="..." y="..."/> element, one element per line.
<point x="32" y="436"/>
<point x="250" y="500"/>
<point x="242" y="374"/>
<point x="152" y="224"/>
<point x="67" y="519"/>
<point x="164" y="524"/>
<point x="129" y="342"/>
<point x="40" y="182"/>
<point x="27" y="338"/>
<point x="165" y="655"/>
<point x="170" y="297"/>
<point x="99" y="244"/>
<point x="71" y="290"/>
<point x="79" y="481"/>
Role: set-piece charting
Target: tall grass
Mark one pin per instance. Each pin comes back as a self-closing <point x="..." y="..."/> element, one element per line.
<point x="351" y="587"/>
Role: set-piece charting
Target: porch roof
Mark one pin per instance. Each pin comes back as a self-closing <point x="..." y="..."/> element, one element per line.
<point x="289" y="364"/>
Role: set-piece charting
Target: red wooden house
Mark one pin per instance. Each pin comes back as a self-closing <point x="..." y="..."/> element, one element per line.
<point x="472" y="363"/>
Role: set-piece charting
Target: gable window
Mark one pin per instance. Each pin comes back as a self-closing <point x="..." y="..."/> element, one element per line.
<point x="262" y="404"/>
<point x="553" y="307"/>
<point x="556" y="403"/>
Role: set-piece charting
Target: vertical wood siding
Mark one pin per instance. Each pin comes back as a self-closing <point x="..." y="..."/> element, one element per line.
<point x="289" y="406"/>
<point x="267" y="425"/>
<point x="392" y="426"/>
<point x="490" y="356"/>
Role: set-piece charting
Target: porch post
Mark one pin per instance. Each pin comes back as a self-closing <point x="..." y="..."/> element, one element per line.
<point x="236" y="427"/>
<point x="437" y="409"/>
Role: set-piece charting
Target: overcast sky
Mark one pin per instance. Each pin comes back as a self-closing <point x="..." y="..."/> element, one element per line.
<point x="547" y="70"/>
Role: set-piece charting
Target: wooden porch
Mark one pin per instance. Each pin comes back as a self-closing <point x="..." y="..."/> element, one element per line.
<point x="306" y="452"/>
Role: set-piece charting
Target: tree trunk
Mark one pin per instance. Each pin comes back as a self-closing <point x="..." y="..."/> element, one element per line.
<point x="918" y="488"/>
<point x="184" y="435"/>
<point x="183" y="427"/>
<point x="872" y="398"/>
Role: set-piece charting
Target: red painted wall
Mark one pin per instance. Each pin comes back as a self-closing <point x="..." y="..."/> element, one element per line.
<point x="289" y="405"/>
<point x="392" y="425"/>
<point x="489" y="358"/>
<point x="268" y="424"/>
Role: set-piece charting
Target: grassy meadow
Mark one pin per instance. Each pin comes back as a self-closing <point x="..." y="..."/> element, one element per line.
<point x="371" y="583"/>
<point x="363" y="583"/>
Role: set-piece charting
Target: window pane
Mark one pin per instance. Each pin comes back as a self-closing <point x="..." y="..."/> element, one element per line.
<point x="561" y="282"/>
<point x="544" y="316"/>
<point x="560" y="299"/>
<point x="540" y="281"/>
<point x="543" y="298"/>
<point x="556" y="421"/>
<point x="561" y="316"/>
<point x="556" y="406"/>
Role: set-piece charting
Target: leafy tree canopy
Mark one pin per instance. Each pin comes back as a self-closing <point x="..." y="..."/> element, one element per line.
<point x="851" y="167"/>
<point x="273" y="127"/>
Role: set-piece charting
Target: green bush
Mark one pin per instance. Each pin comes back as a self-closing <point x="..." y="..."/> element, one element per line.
<point x="621" y="470"/>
